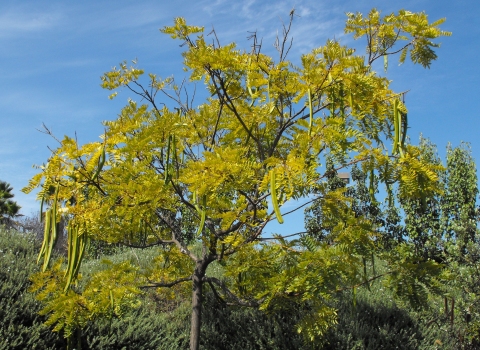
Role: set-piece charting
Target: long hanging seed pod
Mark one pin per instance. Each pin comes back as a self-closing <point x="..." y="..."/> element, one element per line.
<point x="404" y="126"/>
<point x="46" y="236"/>
<point x="101" y="162"/>
<point x="350" y="101"/>
<point x="174" y="156"/>
<point x="371" y="188"/>
<point x="396" y="125"/>
<point x="404" y="130"/>
<point x="82" y="242"/>
<point x="69" y="245"/>
<point x="41" y="208"/>
<point x="53" y="239"/>
<point x="332" y="95"/>
<point x="269" y="97"/>
<point x="273" y="191"/>
<point x="311" y="111"/>
<point x="203" y="212"/>
<point x="167" y="164"/>
<point x="342" y="104"/>
<point x="77" y="242"/>
<point x="50" y="233"/>
<point x="249" y="87"/>
<point x="112" y="301"/>
<point x="72" y="253"/>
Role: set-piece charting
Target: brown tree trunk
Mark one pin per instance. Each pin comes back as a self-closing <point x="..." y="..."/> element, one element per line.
<point x="197" y="301"/>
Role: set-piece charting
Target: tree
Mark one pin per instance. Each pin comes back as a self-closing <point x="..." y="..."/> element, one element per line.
<point x="197" y="182"/>
<point x="443" y="227"/>
<point x="422" y="216"/>
<point x="8" y="208"/>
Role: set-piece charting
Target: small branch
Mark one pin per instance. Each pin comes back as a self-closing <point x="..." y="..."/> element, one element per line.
<point x="286" y="30"/>
<point x="224" y="288"/>
<point x="216" y="37"/>
<point x="301" y="206"/>
<point x="365" y="282"/>
<point x="216" y="123"/>
<point x="281" y="237"/>
<point x="48" y="132"/>
<point x="143" y="246"/>
<point x="215" y="292"/>
<point x="167" y="284"/>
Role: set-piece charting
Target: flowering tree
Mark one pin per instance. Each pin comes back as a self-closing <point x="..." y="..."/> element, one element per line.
<point x="201" y="183"/>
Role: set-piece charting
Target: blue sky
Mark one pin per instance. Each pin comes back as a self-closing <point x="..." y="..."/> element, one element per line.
<point x="54" y="52"/>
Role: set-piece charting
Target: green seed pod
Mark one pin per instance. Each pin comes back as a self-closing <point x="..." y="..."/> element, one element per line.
<point x="273" y="192"/>
<point x="202" y="211"/>
<point x="311" y="111"/>
<point x="396" y="125"/>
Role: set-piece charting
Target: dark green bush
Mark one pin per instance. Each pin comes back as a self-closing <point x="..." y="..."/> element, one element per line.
<point x="20" y="325"/>
<point x="227" y="327"/>
<point x="379" y="322"/>
<point x="140" y="329"/>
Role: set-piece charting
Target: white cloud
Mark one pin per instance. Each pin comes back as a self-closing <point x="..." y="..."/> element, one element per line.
<point x="18" y="21"/>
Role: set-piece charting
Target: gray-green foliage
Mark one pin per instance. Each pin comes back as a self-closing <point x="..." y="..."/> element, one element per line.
<point x="377" y="321"/>
<point x="20" y="325"/>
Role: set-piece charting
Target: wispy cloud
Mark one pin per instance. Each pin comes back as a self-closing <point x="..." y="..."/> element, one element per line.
<point x="18" y="21"/>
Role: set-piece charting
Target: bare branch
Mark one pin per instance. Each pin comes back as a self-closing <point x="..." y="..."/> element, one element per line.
<point x="216" y="37"/>
<point x="281" y="237"/>
<point x="214" y="290"/>
<point x="48" y="132"/>
<point x="237" y="300"/>
<point x="167" y="284"/>
<point x="366" y="281"/>
<point x="286" y="30"/>
<point x="144" y="246"/>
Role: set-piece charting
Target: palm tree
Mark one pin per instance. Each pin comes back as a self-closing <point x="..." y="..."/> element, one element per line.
<point x="8" y="208"/>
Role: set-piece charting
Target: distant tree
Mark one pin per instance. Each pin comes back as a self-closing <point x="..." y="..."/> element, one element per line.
<point x="8" y="208"/>
<point x="458" y="205"/>
<point x="32" y="224"/>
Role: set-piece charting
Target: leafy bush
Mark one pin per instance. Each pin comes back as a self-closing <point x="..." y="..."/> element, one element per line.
<point x="376" y="322"/>
<point x="20" y="325"/>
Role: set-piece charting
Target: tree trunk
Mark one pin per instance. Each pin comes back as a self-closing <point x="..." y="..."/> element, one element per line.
<point x="197" y="300"/>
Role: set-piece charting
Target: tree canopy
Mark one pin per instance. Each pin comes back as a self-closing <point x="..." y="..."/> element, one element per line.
<point x="202" y="182"/>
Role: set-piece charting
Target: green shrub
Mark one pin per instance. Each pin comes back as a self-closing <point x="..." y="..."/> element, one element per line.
<point x="379" y="322"/>
<point x="20" y="325"/>
<point x="376" y="322"/>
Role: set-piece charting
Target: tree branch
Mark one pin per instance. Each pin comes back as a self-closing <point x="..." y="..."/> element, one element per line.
<point x="167" y="284"/>
<point x="224" y="288"/>
<point x="281" y="237"/>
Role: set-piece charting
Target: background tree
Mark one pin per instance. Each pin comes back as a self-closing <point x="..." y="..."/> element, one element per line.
<point x="461" y="245"/>
<point x="422" y="216"/>
<point x="443" y="227"/>
<point x="196" y="182"/>
<point x="8" y="208"/>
